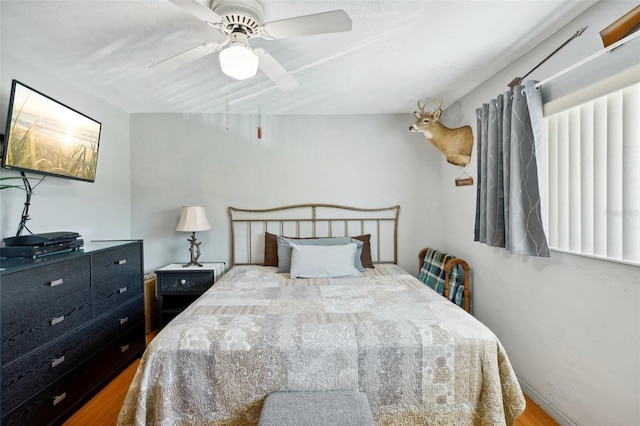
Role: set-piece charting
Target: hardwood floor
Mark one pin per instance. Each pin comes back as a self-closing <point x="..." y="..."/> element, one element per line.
<point x="103" y="409"/>
<point x="534" y="416"/>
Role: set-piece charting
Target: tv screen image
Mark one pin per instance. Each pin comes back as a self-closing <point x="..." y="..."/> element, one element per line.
<point x="47" y="137"/>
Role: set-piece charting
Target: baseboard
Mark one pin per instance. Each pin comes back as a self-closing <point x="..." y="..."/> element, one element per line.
<point x="548" y="407"/>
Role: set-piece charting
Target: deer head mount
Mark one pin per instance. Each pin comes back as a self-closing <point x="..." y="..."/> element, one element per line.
<point x="455" y="144"/>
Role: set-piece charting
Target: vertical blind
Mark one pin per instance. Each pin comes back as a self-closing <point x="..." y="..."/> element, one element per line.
<point x="594" y="177"/>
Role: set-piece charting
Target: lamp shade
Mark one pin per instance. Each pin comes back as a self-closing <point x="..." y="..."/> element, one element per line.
<point x="193" y="219"/>
<point x="239" y="61"/>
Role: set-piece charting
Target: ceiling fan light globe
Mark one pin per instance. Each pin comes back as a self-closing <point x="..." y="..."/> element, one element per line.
<point x="239" y="61"/>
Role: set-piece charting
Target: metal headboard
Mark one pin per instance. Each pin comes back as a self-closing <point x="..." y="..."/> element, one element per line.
<point x="312" y="220"/>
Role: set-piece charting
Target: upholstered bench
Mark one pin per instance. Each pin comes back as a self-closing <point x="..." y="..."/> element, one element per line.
<point x="330" y="408"/>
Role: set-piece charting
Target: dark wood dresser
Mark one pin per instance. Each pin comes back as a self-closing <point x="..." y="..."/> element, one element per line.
<point x="70" y="323"/>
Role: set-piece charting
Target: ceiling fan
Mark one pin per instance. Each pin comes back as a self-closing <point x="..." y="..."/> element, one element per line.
<point x="238" y="21"/>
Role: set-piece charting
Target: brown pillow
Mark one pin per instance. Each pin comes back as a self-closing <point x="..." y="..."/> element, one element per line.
<point x="271" y="250"/>
<point x="365" y="256"/>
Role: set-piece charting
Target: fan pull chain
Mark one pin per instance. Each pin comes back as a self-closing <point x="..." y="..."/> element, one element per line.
<point x="227" y="112"/>
<point x="227" y="93"/>
<point x="259" y="123"/>
<point x="259" y="112"/>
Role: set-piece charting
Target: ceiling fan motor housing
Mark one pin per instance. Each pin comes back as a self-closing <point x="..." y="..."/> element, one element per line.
<point x="240" y="20"/>
<point x="239" y="15"/>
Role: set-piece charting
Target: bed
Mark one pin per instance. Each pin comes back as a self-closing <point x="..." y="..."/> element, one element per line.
<point x="419" y="358"/>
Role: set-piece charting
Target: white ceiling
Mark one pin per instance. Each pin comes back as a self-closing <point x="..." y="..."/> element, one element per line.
<point x="398" y="52"/>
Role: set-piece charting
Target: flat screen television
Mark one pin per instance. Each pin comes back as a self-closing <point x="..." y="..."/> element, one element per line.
<point x="47" y="137"/>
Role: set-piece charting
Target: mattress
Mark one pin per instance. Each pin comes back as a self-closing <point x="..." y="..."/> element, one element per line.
<point x="419" y="358"/>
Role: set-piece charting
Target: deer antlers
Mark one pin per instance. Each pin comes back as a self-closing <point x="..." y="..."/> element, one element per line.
<point x="438" y="101"/>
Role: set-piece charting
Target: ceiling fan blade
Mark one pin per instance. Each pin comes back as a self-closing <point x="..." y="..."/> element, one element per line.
<point x="177" y="61"/>
<point x="198" y="10"/>
<point x="336" y="21"/>
<point x="275" y="71"/>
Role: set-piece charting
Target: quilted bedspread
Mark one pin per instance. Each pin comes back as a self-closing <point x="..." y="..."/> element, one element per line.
<point x="419" y="358"/>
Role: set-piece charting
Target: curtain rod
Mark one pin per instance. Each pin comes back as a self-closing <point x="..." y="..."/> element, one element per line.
<point x="588" y="59"/>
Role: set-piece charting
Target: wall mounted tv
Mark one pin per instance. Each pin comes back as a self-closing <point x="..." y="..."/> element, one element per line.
<point x="47" y="137"/>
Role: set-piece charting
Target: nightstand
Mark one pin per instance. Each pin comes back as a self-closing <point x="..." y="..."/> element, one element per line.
<point x="178" y="286"/>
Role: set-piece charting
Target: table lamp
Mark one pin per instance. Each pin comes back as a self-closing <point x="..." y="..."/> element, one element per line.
<point x="193" y="219"/>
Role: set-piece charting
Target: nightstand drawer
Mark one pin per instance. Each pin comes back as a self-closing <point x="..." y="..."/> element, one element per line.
<point x="185" y="283"/>
<point x="178" y="286"/>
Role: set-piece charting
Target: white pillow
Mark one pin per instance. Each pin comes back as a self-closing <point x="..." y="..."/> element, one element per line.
<point x="323" y="261"/>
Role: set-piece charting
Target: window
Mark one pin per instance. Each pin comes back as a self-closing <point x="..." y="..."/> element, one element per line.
<point x="594" y="177"/>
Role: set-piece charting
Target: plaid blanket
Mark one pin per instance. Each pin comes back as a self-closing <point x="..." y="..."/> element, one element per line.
<point x="432" y="274"/>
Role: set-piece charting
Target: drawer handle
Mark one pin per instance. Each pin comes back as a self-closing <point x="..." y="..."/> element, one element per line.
<point x="57" y="361"/>
<point x="58" y="399"/>
<point x="120" y="262"/>
<point x="124" y="320"/>
<point x="56" y="282"/>
<point x="124" y="348"/>
<point x="122" y="290"/>
<point x="183" y="281"/>
<point x="57" y="320"/>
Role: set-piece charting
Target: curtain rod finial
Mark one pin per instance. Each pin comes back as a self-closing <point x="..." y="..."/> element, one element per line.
<point x="515" y="82"/>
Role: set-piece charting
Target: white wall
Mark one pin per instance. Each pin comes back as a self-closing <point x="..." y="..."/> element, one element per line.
<point x="570" y="324"/>
<point x="362" y="161"/>
<point x="99" y="210"/>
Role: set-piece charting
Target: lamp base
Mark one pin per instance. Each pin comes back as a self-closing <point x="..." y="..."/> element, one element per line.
<point x="192" y="264"/>
<point x="194" y="251"/>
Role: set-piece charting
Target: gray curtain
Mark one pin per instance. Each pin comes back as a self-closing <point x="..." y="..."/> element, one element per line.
<point x="510" y="147"/>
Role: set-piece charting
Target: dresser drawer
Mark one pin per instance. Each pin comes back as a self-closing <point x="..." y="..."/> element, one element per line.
<point x="121" y="321"/>
<point x="29" y="374"/>
<point x="106" y="299"/>
<point x="114" y="324"/>
<point x="116" y="277"/>
<point x="115" y="266"/>
<point x="52" y="404"/>
<point x="120" y="352"/>
<point x="176" y="282"/>
<point x="22" y="334"/>
<point x="49" y="405"/>
<point x="36" y="288"/>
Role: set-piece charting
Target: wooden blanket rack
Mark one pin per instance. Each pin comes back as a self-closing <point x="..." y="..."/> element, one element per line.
<point x="447" y="269"/>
